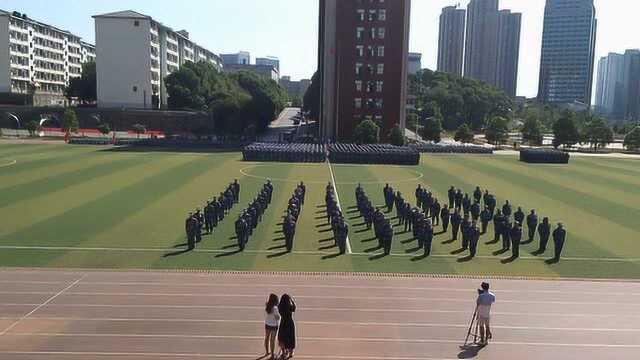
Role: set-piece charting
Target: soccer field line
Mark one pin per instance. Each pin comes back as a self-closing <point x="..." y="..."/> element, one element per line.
<point x="335" y="190"/>
<point x="321" y="339"/>
<point x="302" y="252"/>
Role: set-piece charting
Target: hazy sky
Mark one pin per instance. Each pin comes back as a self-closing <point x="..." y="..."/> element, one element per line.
<point x="288" y="28"/>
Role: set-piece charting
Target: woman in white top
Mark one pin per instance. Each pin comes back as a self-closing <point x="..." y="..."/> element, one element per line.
<point x="271" y="323"/>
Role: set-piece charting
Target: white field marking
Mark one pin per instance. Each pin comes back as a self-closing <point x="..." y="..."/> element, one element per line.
<point x="325" y="297"/>
<point x="313" y="338"/>
<point x="335" y="190"/>
<point x="312" y="286"/>
<point x="42" y="305"/>
<point x="324" y="323"/>
<point x="321" y="309"/>
<point x="311" y="252"/>
<point x="208" y="356"/>
<point x="10" y="163"/>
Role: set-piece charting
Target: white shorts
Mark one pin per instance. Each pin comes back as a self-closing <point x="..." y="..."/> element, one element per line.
<point x="483" y="321"/>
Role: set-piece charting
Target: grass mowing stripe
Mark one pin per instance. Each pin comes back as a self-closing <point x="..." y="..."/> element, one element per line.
<point x="26" y="149"/>
<point x="45" y="185"/>
<point x="38" y="162"/>
<point x="629" y="167"/>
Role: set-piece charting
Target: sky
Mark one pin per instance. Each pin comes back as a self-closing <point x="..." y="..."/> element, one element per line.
<point x="288" y="29"/>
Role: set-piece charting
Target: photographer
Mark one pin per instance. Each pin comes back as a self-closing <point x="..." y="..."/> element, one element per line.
<point x="484" y="302"/>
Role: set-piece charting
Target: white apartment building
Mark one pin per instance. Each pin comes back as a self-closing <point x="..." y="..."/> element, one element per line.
<point x="134" y="55"/>
<point x="34" y="55"/>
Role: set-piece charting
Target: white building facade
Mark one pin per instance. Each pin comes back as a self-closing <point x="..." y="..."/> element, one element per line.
<point x="39" y="58"/>
<point x="135" y="54"/>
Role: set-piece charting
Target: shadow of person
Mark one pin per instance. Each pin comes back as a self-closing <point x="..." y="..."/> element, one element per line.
<point x="176" y="253"/>
<point x="492" y="242"/>
<point x="180" y="246"/>
<point x="326" y="240"/>
<point x="500" y="252"/>
<point x="526" y="242"/>
<point x="232" y="246"/>
<point x="280" y="254"/>
<point x="229" y="253"/>
<point x="459" y="251"/>
<point x="450" y="241"/>
<point x="331" y="256"/>
<point x="378" y="257"/>
<point x="412" y="250"/>
<point x="277" y="247"/>
<point x="509" y="260"/>
<point x="469" y="351"/>
<point x="369" y="239"/>
<point x="328" y="247"/>
<point x="418" y="258"/>
<point x="408" y="241"/>
<point x="373" y="249"/>
<point x="537" y="252"/>
<point x="552" y="261"/>
<point x="465" y="259"/>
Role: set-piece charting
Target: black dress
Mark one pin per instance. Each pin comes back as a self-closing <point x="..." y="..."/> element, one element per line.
<point x="287" y="331"/>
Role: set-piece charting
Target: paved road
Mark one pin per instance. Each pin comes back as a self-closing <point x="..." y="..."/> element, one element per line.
<point x="283" y="124"/>
<point x="71" y="315"/>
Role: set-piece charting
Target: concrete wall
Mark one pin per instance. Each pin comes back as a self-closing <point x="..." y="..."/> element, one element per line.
<point x="123" y="62"/>
<point x="5" y="82"/>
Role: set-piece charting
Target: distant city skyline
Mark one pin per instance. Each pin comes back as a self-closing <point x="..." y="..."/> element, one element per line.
<point x="288" y="28"/>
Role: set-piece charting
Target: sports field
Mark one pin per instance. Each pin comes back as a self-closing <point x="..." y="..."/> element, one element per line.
<point x="77" y="206"/>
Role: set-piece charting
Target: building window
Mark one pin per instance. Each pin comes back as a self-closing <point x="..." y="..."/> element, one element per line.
<point x="136" y="23"/>
<point x="369" y="86"/>
<point x="373" y="33"/>
<point x="380" y="69"/>
<point x="372" y="15"/>
<point x="382" y="14"/>
<point x="370" y="51"/>
<point x="358" y="68"/>
<point x="360" y="14"/>
<point x="381" y="33"/>
<point x="358" y="85"/>
<point x="379" y="85"/>
<point x="381" y="51"/>
<point x="357" y="102"/>
<point x="379" y="104"/>
<point x="135" y="89"/>
<point x="359" y="33"/>
<point x="360" y="50"/>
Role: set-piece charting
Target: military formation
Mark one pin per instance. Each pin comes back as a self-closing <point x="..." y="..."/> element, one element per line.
<point x="302" y="153"/>
<point x="468" y="217"/>
<point x="294" y="209"/>
<point x="373" y="154"/>
<point x="214" y="212"/>
<point x="250" y="217"/>
<point x="544" y="156"/>
<point x="336" y="219"/>
<point x="445" y="148"/>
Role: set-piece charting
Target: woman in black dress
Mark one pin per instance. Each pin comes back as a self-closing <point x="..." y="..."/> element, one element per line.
<point x="287" y="331"/>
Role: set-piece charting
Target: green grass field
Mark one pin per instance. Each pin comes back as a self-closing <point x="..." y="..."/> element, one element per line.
<point x="76" y="206"/>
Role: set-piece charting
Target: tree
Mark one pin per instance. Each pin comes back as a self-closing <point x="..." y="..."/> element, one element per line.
<point x="138" y="129"/>
<point x="367" y="132"/>
<point x="597" y="132"/>
<point x="532" y="131"/>
<point x="32" y="126"/>
<point x="565" y="131"/>
<point x="104" y="129"/>
<point x="632" y="140"/>
<point x="432" y="129"/>
<point x="70" y="121"/>
<point x="311" y="98"/>
<point x="497" y="130"/>
<point x="464" y="134"/>
<point x="396" y="137"/>
<point x="84" y="87"/>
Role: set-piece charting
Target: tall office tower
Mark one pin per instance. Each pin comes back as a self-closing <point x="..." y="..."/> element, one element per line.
<point x="481" y="47"/>
<point x="629" y="107"/>
<point x="568" y="52"/>
<point x="508" y="51"/>
<point x="609" y="82"/>
<point x="451" y="40"/>
<point x="135" y="53"/>
<point x="362" y="56"/>
<point x="39" y="58"/>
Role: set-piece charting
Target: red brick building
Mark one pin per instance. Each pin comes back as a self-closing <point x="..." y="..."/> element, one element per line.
<point x="362" y="57"/>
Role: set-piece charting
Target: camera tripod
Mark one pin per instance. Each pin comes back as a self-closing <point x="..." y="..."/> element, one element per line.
<point x="473" y="329"/>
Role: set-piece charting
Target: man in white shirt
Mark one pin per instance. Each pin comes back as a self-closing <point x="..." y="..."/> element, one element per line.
<point x="484" y="302"/>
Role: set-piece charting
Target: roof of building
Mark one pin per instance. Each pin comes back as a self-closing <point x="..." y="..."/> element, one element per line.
<point x="24" y="17"/>
<point x="127" y="14"/>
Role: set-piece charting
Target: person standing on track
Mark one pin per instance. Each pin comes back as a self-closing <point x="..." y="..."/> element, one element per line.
<point x="271" y="323"/>
<point x="287" y="333"/>
<point x="484" y="302"/>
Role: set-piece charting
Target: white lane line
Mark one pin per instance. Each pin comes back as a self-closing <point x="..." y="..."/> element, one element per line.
<point x="319" y="339"/>
<point x="42" y="305"/>
<point x="208" y="356"/>
<point x="324" y="323"/>
<point x="314" y="253"/>
<point x="321" y="297"/>
<point x="335" y="190"/>
<point x="321" y="309"/>
<point x="318" y="286"/>
<point x="13" y="162"/>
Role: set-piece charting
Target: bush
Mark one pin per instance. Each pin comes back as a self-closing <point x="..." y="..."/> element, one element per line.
<point x="464" y="134"/>
<point x="104" y="128"/>
<point x="497" y="130"/>
<point x="432" y="130"/>
<point x="632" y="140"/>
<point x="70" y="121"/>
<point x="396" y="137"/>
<point x="32" y="126"/>
<point x="367" y="132"/>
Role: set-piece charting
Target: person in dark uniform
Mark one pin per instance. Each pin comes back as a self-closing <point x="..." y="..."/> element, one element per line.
<point x="477" y="194"/>
<point x="419" y="196"/>
<point x="559" y="237"/>
<point x="458" y="199"/>
<point x="190" y="229"/>
<point x="506" y="209"/>
<point x="456" y="221"/>
<point x="474" y="238"/>
<point x="475" y="211"/>
<point x="235" y="188"/>
<point x="408" y="217"/>
<point x="532" y="225"/>
<point x="208" y="218"/>
<point x="544" y="230"/>
<point x="518" y="216"/>
<point x="435" y="212"/>
<point x="498" y="223"/>
<point x="465" y="228"/>
<point x="342" y="234"/>
<point x="303" y="192"/>
<point x="445" y="215"/>
<point x="199" y="224"/>
<point x="387" y="234"/>
<point x="506" y="234"/>
<point x="466" y="204"/>
<point x="452" y="197"/>
<point x="516" y="237"/>
<point x="491" y="203"/>
<point x="427" y="237"/>
<point x="485" y="217"/>
<point x="241" y="232"/>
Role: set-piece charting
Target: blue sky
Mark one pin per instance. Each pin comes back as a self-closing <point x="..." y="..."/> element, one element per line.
<point x="288" y="28"/>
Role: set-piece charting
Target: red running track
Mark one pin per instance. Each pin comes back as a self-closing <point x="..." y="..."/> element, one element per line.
<point x="78" y="315"/>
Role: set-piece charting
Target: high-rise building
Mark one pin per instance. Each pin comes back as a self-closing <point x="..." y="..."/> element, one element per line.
<point x="630" y="107"/>
<point x="135" y="53"/>
<point x="508" y="51"/>
<point x="568" y="52"/>
<point x="481" y="47"/>
<point x="39" y="57"/>
<point x="269" y="60"/>
<point x="451" y="40"/>
<point x="239" y="58"/>
<point x="414" y="63"/>
<point x="363" y="56"/>
<point x="609" y="82"/>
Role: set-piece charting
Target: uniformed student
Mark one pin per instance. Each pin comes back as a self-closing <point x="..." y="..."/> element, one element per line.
<point x="189" y="228"/>
<point x="516" y="237"/>
<point x="474" y="238"/>
<point x="544" y="230"/>
<point x="445" y="216"/>
<point x="559" y="237"/>
<point x="452" y="197"/>
<point x="428" y="237"/>
<point x="532" y="225"/>
<point x="456" y="221"/>
<point x="485" y="217"/>
<point x="519" y="216"/>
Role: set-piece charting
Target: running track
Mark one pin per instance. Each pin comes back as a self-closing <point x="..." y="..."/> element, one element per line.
<point x="78" y="315"/>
